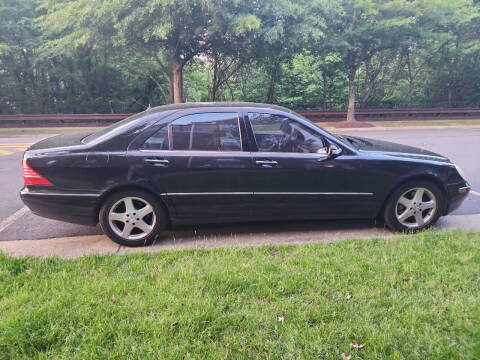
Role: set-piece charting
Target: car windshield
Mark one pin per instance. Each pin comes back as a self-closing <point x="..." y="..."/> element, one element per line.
<point x="112" y="128"/>
<point x="347" y="139"/>
<point x="340" y="138"/>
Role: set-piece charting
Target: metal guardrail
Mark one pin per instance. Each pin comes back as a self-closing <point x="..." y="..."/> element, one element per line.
<point x="55" y="120"/>
<point x="393" y="114"/>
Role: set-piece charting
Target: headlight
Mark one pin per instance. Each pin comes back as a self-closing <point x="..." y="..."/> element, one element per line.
<point x="460" y="172"/>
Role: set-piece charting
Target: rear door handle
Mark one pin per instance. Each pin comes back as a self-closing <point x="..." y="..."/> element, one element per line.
<point x="266" y="163"/>
<point x="157" y="162"/>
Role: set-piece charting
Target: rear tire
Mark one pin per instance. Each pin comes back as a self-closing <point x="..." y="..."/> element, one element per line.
<point x="414" y="206"/>
<point x="133" y="217"/>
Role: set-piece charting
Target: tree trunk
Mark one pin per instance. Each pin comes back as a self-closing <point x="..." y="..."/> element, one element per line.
<point x="168" y="75"/>
<point x="351" y="94"/>
<point x="177" y="72"/>
<point x="166" y="97"/>
<point x="325" y="90"/>
<point x="170" y="89"/>
<point x="411" y="81"/>
<point x="411" y="89"/>
<point x="31" y="76"/>
<point x="273" y="82"/>
<point x="213" y="95"/>
<point x="449" y="94"/>
<point x="352" y="69"/>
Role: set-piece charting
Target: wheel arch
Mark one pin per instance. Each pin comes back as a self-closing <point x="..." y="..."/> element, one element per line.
<point x="430" y="178"/>
<point x="113" y="190"/>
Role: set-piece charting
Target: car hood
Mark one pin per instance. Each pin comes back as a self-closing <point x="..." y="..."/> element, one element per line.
<point x="59" y="141"/>
<point x="393" y="149"/>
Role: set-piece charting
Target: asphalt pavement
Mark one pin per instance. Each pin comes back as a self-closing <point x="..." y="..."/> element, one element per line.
<point x="461" y="145"/>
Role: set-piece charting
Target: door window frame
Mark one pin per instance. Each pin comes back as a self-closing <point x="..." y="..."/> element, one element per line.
<point x="248" y="142"/>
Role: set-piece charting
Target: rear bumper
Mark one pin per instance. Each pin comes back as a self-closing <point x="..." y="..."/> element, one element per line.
<point x="456" y="194"/>
<point x="77" y="208"/>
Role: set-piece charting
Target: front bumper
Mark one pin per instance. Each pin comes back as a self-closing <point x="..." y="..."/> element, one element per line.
<point x="77" y="208"/>
<point x="456" y="195"/>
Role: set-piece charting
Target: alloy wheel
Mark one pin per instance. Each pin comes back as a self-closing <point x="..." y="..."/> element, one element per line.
<point x="416" y="207"/>
<point x="132" y="218"/>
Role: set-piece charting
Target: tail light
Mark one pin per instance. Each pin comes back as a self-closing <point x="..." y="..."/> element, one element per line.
<point x="31" y="177"/>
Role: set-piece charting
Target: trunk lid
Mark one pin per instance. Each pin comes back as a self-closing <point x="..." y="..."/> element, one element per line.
<point x="59" y="141"/>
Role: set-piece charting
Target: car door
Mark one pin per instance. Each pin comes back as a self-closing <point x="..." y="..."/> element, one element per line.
<point x="295" y="178"/>
<point x="196" y="161"/>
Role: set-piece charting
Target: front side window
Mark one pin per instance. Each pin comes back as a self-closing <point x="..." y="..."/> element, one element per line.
<point x="203" y="132"/>
<point x="278" y="133"/>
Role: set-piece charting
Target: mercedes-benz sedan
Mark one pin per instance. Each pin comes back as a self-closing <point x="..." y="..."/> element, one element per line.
<point x="231" y="162"/>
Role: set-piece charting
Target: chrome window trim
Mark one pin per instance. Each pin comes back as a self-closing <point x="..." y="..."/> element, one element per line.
<point x="199" y="152"/>
<point x="253" y="153"/>
<point x="294" y="154"/>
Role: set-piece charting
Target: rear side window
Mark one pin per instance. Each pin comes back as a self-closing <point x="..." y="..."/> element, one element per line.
<point x="203" y="132"/>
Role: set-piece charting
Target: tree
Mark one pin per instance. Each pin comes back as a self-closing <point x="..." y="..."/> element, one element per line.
<point x="375" y="71"/>
<point x="171" y="33"/>
<point x="287" y="28"/>
<point x="459" y="23"/>
<point x="125" y="55"/>
<point x="360" y="29"/>
<point x="434" y="25"/>
<point x="18" y="37"/>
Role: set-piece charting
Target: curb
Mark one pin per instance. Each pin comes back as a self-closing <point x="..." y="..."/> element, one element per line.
<point x="211" y="237"/>
<point x="226" y="236"/>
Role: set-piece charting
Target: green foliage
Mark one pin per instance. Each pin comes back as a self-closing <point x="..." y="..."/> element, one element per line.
<point x="125" y="55"/>
<point x="413" y="296"/>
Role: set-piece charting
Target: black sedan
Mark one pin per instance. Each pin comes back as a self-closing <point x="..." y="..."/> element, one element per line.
<point x="230" y="162"/>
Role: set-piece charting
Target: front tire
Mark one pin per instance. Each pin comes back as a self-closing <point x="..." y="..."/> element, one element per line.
<point x="132" y="217"/>
<point x="414" y="206"/>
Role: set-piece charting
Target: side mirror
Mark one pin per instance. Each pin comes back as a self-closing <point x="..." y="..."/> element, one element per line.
<point x="323" y="151"/>
<point x="334" y="150"/>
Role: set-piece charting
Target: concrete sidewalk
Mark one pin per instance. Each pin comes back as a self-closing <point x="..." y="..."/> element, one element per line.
<point x="220" y="236"/>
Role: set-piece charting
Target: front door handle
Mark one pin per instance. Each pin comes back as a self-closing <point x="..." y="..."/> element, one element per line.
<point x="157" y="162"/>
<point x="266" y="163"/>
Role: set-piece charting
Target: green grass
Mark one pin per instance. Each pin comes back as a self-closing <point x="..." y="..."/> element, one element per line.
<point x="412" y="297"/>
<point x="47" y="130"/>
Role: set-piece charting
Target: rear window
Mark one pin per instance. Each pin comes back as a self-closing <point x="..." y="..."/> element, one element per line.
<point x="112" y="128"/>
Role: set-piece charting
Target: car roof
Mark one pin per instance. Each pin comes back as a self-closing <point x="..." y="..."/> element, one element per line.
<point x="226" y="104"/>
